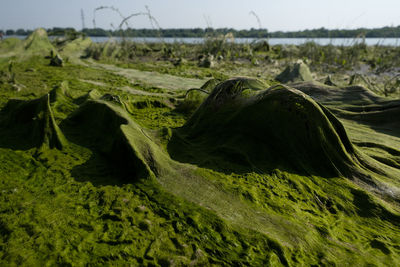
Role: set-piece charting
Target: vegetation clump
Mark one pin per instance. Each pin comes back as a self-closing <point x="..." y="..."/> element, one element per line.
<point x="206" y="61"/>
<point x="56" y="61"/>
<point x="299" y="71"/>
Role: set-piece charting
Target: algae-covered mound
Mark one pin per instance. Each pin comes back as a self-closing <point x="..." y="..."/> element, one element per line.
<point x="76" y="47"/>
<point x="9" y="44"/>
<point x="109" y="49"/>
<point x="60" y="93"/>
<point x="241" y="125"/>
<point x="296" y="72"/>
<point x="383" y="117"/>
<point x="91" y="95"/>
<point x="27" y="124"/>
<point x="328" y="94"/>
<point x="61" y="101"/>
<point x="195" y="96"/>
<point x="38" y="42"/>
<point x="112" y="98"/>
<point x="107" y="129"/>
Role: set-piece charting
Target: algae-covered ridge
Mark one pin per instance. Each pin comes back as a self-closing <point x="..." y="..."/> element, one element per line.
<point x="100" y="166"/>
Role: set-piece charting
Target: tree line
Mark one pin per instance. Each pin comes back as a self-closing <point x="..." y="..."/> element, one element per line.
<point x="385" y="32"/>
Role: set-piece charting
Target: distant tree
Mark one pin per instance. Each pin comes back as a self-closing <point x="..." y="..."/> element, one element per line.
<point x="20" y="32"/>
<point x="385" y="32"/>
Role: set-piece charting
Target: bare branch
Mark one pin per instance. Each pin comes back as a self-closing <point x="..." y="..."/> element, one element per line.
<point x="258" y="19"/>
<point x="124" y="20"/>
<point x="111" y="8"/>
<point x="196" y="89"/>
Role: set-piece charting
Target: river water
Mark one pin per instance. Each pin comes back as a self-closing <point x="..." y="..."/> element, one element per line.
<point x="272" y="41"/>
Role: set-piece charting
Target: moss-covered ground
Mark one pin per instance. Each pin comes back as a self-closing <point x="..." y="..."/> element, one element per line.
<point x="122" y="164"/>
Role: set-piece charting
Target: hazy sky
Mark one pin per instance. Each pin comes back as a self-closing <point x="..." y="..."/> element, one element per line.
<point x="274" y="15"/>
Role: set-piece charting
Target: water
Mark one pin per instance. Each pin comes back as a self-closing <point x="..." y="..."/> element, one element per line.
<point x="272" y="41"/>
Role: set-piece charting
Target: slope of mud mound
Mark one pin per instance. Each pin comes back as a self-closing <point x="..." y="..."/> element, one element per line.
<point x="263" y="130"/>
<point x="91" y="95"/>
<point x="27" y="124"/>
<point x="60" y="93"/>
<point x="76" y="47"/>
<point x="387" y="113"/>
<point x="356" y="103"/>
<point x="232" y="89"/>
<point x="296" y="72"/>
<point x="108" y="130"/>
<point x="61" y="101"/>
<point x="148" y="103"/>
<point x="38" y="42"/>
<point x="357" y="95"/>
<point x="384" y="117"/>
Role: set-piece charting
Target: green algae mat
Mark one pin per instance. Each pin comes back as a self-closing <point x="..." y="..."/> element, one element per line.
<point x="96" y="169"/>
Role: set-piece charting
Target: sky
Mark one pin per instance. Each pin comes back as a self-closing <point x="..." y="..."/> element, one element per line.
<point x="278" y="15"/>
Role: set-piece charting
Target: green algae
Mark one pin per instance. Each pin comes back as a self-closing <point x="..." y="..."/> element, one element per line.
<point x="115" y="196"/>
<point x="98" y="226"/>
<point x="9" y="44"/>
<point x="115" y="231"/>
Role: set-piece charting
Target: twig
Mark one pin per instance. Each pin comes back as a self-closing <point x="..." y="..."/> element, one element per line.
<point x="196" y="89"/>
<point x="258" y="19"/>
<point x="107" y="7"/>
<point x="124" y="20"/>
